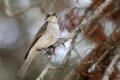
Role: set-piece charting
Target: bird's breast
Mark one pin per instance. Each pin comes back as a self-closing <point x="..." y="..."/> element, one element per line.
<point x="53" y="31"/>
<point x="49" y="37"/>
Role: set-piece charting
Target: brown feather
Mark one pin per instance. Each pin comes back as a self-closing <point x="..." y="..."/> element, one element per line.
<point x="38" y="35"/>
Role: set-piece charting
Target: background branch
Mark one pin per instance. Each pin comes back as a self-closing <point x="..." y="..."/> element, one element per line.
<point x="111" y="67"/>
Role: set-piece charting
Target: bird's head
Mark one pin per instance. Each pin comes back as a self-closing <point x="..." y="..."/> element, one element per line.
<point x="51" y="17"/>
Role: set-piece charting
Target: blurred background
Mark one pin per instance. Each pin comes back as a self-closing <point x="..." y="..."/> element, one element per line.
<point x="19" y="22"/>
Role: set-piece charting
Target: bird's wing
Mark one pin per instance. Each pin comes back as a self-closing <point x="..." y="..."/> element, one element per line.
<point x="38" y="35"/>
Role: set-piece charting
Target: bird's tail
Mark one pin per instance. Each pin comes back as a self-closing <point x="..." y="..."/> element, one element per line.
<point x="25" y="66"/>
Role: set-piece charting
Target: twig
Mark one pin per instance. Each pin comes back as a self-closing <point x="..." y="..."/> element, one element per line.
<point x="71" y="75"/>
<point x="96" y="26"/>
<point x="56" y="68"/>
<point x="44" y="72"/>
<point x="78" y="54"/>
<point x="110" y="68"/>
<point x="99" y="11"/>
<point x="62" y="65"/>
<point x="94" y="29"/>
<point x="78" y="29"/>
<point x="93" y="67"/>
<point x="90" y="20"/>
<point x="70" y="51"/>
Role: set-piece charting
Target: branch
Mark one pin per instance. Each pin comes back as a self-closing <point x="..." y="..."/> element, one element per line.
<point x="110" y="68"/>
<point x="78" y="29"/>
<point x="62" y="65"/>
<point x="71" y="75"/>
<point x="110" y="39"/>
<point x="93" y="67"/>
<point x="45" y="70"/>
<point x="99" y="11"/>
<point x="70" y="51"/>
<point x="89" y="21"/>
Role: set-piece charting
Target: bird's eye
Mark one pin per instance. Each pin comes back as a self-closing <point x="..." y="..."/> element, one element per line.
<point x="54" y="14"/>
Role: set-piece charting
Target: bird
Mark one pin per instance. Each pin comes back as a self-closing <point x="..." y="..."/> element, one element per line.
<point x="45" y="37"/>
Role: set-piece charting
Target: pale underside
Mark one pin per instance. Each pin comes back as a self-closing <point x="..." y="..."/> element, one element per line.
<point x="48" y="38"/>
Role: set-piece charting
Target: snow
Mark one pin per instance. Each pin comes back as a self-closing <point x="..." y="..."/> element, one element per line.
<point x="108" y="27"/>
<point x="63" y="33"/>
<point x="81" y="3"/>
<point x="61" y="51"/>
<point x="84" y="46"/>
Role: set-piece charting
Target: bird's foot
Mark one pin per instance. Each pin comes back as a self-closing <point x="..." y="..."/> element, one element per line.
<point x="48" y="52"/>
<point x="52" y="48"/>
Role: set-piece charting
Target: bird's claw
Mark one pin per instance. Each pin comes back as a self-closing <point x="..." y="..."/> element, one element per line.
<point x="48" y="52"/>
<point x="52" y="48"/>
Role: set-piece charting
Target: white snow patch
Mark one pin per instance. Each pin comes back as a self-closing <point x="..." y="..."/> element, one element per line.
<point x="63" y="33"/>
<point x="118" y="66"/>
<point x="61" y="52"/>
<point x="81" y="3"/>
<point x="84" y="46"/>
<point x="108" y="27"/>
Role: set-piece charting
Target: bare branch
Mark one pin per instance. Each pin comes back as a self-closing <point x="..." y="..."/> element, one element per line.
<point x="45" y="70"/>
<point x="93" y="67"/>
<point x="62" y="65"/>
<point x="70" y="51"/>
<point x="110" y="68"/>
<point x="99" y="10"/>
<point x="89" y="21"/>
<point x="71" y="75"/>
